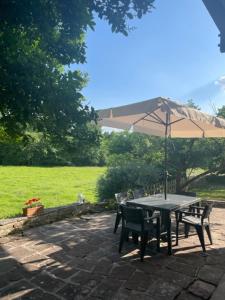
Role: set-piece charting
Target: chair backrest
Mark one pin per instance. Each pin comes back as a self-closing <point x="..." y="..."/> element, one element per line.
<point x="121" y="198"/>
<point x="207" y="211"/>
<point x="132" y="215"/>
<point x="138" y="193"/>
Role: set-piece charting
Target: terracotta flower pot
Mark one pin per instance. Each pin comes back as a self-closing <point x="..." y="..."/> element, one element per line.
<point x="33" y="211"/>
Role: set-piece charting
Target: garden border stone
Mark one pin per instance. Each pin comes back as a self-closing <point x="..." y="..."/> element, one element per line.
<point x="50" y="215"/>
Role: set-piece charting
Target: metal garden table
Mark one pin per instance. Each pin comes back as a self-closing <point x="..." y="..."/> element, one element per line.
<point x="166" y="207"/>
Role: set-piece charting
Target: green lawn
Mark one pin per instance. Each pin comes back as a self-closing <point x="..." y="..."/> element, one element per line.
<point x="211" y="187"/>
<point x="55" y="186"/>
<point x="61" y="185"/>
<point x="211" y="192"/>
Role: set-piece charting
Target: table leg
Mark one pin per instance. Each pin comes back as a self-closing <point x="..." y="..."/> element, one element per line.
<point x="169" y="240"/>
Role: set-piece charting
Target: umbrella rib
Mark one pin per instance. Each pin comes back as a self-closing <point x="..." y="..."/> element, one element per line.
<point x="155" y="117"/>
<point x="152" y="121"/>
<point x="142" y="118"/>
<point x="176" y="121"/>
<point x="203" y="132"/>
<point x="159" y="119"/>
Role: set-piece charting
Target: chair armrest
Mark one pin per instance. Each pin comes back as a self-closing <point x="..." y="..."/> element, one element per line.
<point x="197" y="207"/>
<point x="152" y="218"/>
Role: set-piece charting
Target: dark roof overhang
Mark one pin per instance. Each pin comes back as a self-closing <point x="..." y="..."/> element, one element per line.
<point x="216" y="9"/>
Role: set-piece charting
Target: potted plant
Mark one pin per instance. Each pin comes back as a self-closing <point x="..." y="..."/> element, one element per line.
<point x="33" y="207"/>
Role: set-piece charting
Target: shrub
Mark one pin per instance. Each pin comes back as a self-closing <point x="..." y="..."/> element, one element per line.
<point x="125" y="177"/>
<point x="215" y="179"/>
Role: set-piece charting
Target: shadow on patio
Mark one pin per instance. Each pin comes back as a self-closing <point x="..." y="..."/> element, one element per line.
<point x="78" y="259"/>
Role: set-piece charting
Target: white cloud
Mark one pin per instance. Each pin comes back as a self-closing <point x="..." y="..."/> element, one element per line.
<point x="221" y="82"/>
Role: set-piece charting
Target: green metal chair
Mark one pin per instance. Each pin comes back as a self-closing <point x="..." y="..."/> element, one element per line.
<point x="191" y="208"/>
<point x="121" y="198"/>
<point x="199" y="220"/>
<point x="134" y="220"/>
<point x="138" y="193"/>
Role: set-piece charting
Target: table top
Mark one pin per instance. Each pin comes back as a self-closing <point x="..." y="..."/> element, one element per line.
<point x="172" y="203"/>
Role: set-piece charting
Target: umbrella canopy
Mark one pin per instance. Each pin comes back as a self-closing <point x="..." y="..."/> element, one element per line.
<point x="165" y="118"/>
<point x="161" y="116"/>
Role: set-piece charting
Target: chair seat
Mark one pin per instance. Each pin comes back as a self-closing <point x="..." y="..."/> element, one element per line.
<point x="193" y="220"/>
<point x="137" y="227"/>
<point x="156" y="213"/>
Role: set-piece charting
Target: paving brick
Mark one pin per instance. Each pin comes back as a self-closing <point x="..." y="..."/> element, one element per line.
<point x="32" y="269"/>
<point x="16" y="290"/>
<point x="7" y="265"/>
<point x="64" y="271"/>
<point x="220" y="291"/>
<point x="107" y="289"/>
<point x="183" y="268"/>
<point x="84" y="263"/>
<point x="122" y="272"/>
<point x="69" y="291"/>
<point x="187" y="296"/>
<point x="140" y="296"/>
<point x="13" y="275"/>
<point x="163" y="290"/>
<point x="82" y="277"/>
<point x="37" y="259"/>
<point x="47" y="282"/>
<point x="103" y="266"/>
<point x="139" y="281"/>
<point x="217" y="260"/>
<point x="41" y="246"/>
<point x="175" y="278"/>
<point x="20" y="252"/>
<point x="210" y="274"/>
<point x="87" y="281"/>
<point x="202" y="289"/>
<point x="123" y="294"/>
<point x="38" y="294"/>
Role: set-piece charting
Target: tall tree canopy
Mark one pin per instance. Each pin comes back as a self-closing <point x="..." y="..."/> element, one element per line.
<point x="38" y="38"/>
<point x="221" y="112"/>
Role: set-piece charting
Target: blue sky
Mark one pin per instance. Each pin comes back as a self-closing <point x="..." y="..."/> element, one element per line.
<point x="173" y="52"/>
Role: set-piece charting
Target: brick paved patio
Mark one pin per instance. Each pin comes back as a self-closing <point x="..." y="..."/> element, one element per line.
<point x="78" y="259"/>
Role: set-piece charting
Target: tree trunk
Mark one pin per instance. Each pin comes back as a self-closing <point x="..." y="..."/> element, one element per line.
<point x="179" y="177"/>
<point x="193" y="179"/>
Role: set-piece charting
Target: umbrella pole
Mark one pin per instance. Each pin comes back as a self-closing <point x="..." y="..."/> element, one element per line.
<point x="165" y="159"/>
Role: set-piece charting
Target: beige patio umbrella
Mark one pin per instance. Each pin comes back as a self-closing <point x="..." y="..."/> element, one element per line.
<point x="164" y="118"/>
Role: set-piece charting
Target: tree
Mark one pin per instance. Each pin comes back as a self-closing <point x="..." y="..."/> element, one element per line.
<point x="191" y="103"/>
<point x="221" y="112"/>
<point x="36" y="148"/>
<point x="38" y="38"/>
<point x="133" y="147"/>
<point x="186" y="155"/>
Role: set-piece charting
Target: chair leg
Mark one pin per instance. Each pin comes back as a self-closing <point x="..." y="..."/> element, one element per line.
<point x="144" y="239"/>
<point x="117" y="222"/>
<point x="122" y="237"/>
<point x="207" y="228"/>
<point x="200" y="233"/>
<point x="135" y="238"/>
<point x="186" y="230"/>
<point x="158" y="234"/>
<point x="126" y="235"/>
<point x="177" y="232"/>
